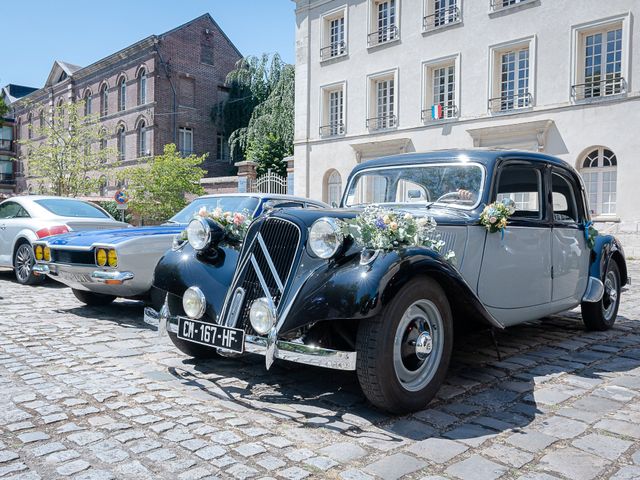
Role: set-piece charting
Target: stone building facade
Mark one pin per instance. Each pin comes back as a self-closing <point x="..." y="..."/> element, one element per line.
<point x="379" y="77"/>
<point x="157" y="91"/>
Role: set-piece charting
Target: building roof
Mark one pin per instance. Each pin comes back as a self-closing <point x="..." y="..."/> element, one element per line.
<point x="13" y="92"/>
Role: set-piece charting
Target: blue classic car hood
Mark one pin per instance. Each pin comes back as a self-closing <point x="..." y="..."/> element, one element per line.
<point x="112" y="237"/>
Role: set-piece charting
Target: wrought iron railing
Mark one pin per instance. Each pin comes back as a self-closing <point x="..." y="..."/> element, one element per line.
<point x="447" y="111"/>
<point x="599" y="88"/>
<point x="334" y="50"/>
<point x="444" y="16"/>
<point x="383" y="35"/>
<point x="496" y="5"/>
<point x="514" y="101"/>
<point x="379" y="123"/>
<point x="332" y="129"/>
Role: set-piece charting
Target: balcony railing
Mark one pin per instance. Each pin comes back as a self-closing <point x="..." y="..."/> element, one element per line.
<point x="599" y="88"/>
<point x="502" y="4"/>
<point x="385" y="34"/>
<point x="380" y="123"/>
<point x="6" y="145"/>
<point x="332" y="129"/>
<point x="7" y="179"/>
<point x="334" y="50"/>
<point x="446" y="111"/>
<point x="514" y="101"/>
<point x="442" y="17"/>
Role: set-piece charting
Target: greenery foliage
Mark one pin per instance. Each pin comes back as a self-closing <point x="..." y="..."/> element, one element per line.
<point x="4" y="109"/>
<point x="112" y="209"/>
<point x="157" y="188"/>
<point x="258" y="114"/>
<point x="63" y="153"/>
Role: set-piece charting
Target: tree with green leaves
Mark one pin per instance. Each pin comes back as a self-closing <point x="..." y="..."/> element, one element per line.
<point x="65" y="152"/>
<point x="4" y="108"/>
<point x="260" y="101"/>
<point x="157" y="188"/>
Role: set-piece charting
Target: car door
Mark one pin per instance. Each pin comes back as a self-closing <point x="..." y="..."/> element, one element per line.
<point x="570" y="254"/>
<point x="516" y="268"/>
<point x="8" y="212"/>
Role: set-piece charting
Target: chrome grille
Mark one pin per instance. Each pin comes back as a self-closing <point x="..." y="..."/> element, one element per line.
<point x="270" y="260"/>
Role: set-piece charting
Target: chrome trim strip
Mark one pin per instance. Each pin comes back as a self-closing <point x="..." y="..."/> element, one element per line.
<point x="102" y="276"/>
<point x="263" y="284"/>
<point x="272" y="267"/>
<point x="595" y="290"/>
<point x="41" y="269"/>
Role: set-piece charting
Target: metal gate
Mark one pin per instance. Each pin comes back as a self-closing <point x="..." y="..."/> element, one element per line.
<point x="270" y="182"/>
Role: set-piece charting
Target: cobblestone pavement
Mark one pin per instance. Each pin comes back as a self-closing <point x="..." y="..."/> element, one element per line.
<point x="90" y="393"/>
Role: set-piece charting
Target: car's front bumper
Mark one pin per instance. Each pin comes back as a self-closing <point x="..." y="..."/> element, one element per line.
<point x="88" y="278"/>
<point x="266" y="346"/>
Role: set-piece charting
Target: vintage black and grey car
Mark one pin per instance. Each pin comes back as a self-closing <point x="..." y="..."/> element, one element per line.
<point x="300" y="290"/>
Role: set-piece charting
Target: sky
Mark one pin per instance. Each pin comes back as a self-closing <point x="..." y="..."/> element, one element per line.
<point x="37" y="32"/>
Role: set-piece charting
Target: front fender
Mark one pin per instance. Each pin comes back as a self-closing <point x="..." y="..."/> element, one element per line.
<point x="180" y="269"/>
<point x="608" y="248"/>
<point x="346" y="289"/>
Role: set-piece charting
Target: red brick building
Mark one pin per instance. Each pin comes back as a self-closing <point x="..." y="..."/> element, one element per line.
<point x="157" y="91"/>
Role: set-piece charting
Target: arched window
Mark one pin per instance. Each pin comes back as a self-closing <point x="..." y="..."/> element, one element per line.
<point x="41" y="119"/>
<point x="333" y="187"/>
<point x="599" y="171"/>
<point x="121" y="137"/>
<point x="103" y="139"/>
<point x="30" y="126"/>
<point x="142" y="86"/>
<point x="104" y="100"/>
<point x="87" y="102"/>
<point x="122" y="94"/>
<point x="142" y="139"/>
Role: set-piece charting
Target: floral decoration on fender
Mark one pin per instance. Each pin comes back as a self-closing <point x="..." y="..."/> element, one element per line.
<point x="494" y="216"/>
<point x="590" y="234"/>
<point x="376" y="228"/>
<point x="234" y="224"/>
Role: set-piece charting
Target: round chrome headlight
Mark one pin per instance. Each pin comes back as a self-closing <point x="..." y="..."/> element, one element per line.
<point x="325" y="237"/>
<point x="193" y="302"/>
<point x="262" y="316"/>
<point x="199" y="234"/>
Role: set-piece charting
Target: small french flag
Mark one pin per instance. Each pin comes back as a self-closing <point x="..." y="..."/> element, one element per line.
<point x="436" y="112"/>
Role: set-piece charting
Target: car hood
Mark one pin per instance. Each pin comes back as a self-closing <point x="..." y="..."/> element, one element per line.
<point x="111" y="237"/>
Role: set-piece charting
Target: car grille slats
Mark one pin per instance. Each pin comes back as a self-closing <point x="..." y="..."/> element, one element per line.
<point x="280" y="243"/>
<point x="73" y="257"/>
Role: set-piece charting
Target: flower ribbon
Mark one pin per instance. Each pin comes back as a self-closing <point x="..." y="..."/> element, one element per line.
<point x="587" y="225"/>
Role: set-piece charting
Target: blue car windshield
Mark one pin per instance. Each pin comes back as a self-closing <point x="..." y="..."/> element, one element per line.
<point x="64" y="207"/>
<point x="226" y="204"/>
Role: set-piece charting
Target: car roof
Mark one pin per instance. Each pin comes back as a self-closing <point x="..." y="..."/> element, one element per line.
<point x="30" y="199"/>
<point x="274" y="196"/>
<point x="485" y="156"/>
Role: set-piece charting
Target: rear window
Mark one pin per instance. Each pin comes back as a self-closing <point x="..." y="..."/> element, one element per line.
<point x="71" y="208"/>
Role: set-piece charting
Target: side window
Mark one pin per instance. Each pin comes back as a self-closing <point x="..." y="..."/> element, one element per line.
<point x="523" y="185"/>
<point x="9" y="210"/>
<point x="565" y="209"/>
<point x="22" y="213"/>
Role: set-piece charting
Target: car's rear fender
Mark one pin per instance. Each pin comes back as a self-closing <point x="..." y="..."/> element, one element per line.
<point x="606" y="249"/>
<point x="347" y="289"/>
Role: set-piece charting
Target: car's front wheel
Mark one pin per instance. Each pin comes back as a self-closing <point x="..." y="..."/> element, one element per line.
<point x="199" y="352"/>
<point x="93" y="299"/>
<point x="403" y="355"/>
<point x="602" y="315"/>
<point x="23" y="261"/>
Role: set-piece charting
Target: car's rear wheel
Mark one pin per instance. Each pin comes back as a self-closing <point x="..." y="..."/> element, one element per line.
<point x="93" y="299"/>
<point x="199" y="352"/>
<point x="23" y="261"/>
<point x="602" y="315"/>
<point x="403" y="355"/>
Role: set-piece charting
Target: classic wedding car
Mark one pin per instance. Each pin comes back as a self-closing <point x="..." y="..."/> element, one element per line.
<point x="102" y="265"/>
<point x="423" y="241"/>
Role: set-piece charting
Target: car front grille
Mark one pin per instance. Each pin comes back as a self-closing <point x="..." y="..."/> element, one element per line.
<point x="73" y="257"/>
<point x="270" y="256"/>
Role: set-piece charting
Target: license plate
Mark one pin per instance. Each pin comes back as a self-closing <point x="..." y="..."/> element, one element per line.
<point x="211" y="335"/>
<point x="75" y="277"/>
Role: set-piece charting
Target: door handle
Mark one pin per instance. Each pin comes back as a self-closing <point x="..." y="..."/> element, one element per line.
<point x="3" y="227"/>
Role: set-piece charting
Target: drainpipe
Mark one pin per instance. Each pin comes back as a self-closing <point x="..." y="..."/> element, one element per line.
<point x="175" y="95"/>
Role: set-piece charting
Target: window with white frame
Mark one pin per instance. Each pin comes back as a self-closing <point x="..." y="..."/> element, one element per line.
<point x="185" y="140"/>
<point x="143" y="149"/>
<point x="333" y="187"/>
<point x="334" y="37"/>
<point x="439" y="13"/>
<point x="122" y="94"/>
<point x="104" y="100"/>
<point x="142" y="87"/>
<point x="510" y="85"/>
<point x="332" y="111"/>
<point x="382" y="103"/>
<point x="384" y="22"/>
<point x="599" y="62"/>
<point x="502" y="4"/>
<point x="121" y="140"/>
<point x="440" y="95"/>
<point x="599" y="172"/>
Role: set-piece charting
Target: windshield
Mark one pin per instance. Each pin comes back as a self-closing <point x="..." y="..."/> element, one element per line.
<point x="227" y="204"/>
<point x="71" y="208"/>
<point x="455" y="184"/>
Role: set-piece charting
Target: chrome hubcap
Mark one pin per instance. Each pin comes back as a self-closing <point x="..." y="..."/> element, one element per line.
<point x="610" y="299"/>
<point x="418" y="345"/>
<point x="23" y="263"/>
